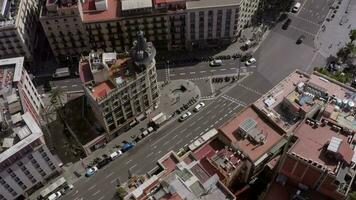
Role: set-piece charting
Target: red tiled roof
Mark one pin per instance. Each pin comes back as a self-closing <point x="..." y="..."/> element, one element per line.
<point x="102" y="89"/>
<point x="253" y="151"/>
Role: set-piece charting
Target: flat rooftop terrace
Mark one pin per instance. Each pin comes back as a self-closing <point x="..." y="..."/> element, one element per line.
<point x="312" y="143"/>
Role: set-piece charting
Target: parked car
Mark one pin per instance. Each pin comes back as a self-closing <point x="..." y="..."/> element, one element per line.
<point x="286" y="24"/>
<point x="300" y="39"/>
<point x="103" y="163"/>
<point x="185" y="116"/>
<point x="114" y="155"/>
<point x="296" y="7"/>
<point x="250" y="61"/>
<point x="91" y="171"/>
<point x="199" y="106"/>
<point x="55" y="195"/>
<point x="216" y="63"/>
<point x="127" y="146"/>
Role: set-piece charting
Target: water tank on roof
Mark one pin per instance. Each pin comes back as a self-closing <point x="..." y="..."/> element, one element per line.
<point x="338" y="102"/>
<point x="351" y="104"/>
<point x="344" y="102"/>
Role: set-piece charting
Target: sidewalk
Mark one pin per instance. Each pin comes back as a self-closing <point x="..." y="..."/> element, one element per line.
<point x="169" y="102"/>
<point x="334" y="34"/>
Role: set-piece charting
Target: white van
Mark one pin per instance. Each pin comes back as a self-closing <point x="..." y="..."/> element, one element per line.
<point x="296" y="7"/>
<point x="61" y="72"/>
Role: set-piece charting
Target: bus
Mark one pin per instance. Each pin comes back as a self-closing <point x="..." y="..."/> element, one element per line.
<point x="61" y="72"/>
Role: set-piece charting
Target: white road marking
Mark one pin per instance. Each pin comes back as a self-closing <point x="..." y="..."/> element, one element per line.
<point x="64" y="86"/>
<point x="127" y="162"/>
<point x="133" y="166"/>
<point x="179" y="141"/>
<point x="75" y="85"/>
<point x="91" y="187"/>
<point x="159" y="152"/>
<point x="200" y="118"/>
<point x="109" y="175"/>
<point x="182" y="130"/>
<point x="222" y="69"/>
<point x="164" y="144"/>
<point x="299" y="29"/>
<point x="202" y="71"/>
<point x="101" y="198"/>
<point x="213" y="70"/>
<point x="181" y="73"/>
<point x="95" y="193"/>
<point x="197" y="128"/>
<point x="196" y="137"/>
<point x="150" y="154"/>
<point x="113" y="181"/>
<point x="172" y="74"/>
<point x="193" y="123"/>
<point x="191" y="72"/>
<point x="174" y="137"/>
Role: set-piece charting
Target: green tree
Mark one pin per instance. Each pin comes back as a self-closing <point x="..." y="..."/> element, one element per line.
<point x="352" y="196"/>
<point x="352" y="35"/>
<point x="121" y="192"/>
<point x="56" y="98"/>
<point x="351" y="48"/>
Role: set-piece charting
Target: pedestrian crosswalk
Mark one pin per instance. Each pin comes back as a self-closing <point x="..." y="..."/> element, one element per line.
<point x="234" y="100"/>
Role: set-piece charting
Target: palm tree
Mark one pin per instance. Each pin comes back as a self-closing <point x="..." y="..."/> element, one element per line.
<point x="352" y="35"/>
<point x="56" y="98"/>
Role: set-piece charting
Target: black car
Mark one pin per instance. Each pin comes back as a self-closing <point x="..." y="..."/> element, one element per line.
<point x="103" y="162"/>
<point x="300" y="39"/>
<point x="286" y="24"/>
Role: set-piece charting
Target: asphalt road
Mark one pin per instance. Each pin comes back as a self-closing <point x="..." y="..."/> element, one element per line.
<point x="277" y="56"/>
<point x="143" y="157"/>
<point x="67" y="85"/>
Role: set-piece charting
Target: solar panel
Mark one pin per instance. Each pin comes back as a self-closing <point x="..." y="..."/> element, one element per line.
<point x="247" y="125"/>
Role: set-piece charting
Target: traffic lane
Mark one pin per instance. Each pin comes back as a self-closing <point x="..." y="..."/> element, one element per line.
<point x="258" y="82"/>
<point x="315" y="10"/>
<point x="204" y="73"/>
<point x="294" y="32"/>
<point x="243" y="93"/>
<point x="139" y="160"/>
<point x="278" y="56"/>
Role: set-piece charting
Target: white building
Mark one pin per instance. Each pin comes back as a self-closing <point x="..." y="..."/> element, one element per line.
<point x="17" y="88"/>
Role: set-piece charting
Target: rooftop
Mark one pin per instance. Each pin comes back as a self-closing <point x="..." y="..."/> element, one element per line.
<point x="246" y="142"/>
<point x="100" y="10"/>
<point x="320" y="141"/>
<point x="8" y="12"/>
<point x="135" y="4"/>
<point x="198" y="4"/>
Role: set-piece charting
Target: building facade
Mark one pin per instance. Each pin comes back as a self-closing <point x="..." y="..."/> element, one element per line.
<point x="119" y="87"/>
<point x="18" y="25"/>
<point x="111" y="25"/>
<point x="64" y="29"/>
<point x="17" y="86"/>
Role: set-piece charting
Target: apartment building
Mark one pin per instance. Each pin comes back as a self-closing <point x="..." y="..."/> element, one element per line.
<point x="119" y="87"/>
<point x="214" y="23"/>
<point x="62" y="24"/>
<point x="320" y="161"/>
<point x="111" y="25"/>
<point x="25" y="161"/>
<point x="17" y="88"/>
<point x="18" y="25"/>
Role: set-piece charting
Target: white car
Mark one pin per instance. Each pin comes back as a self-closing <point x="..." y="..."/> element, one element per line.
<point x="199" y="106"/>
<point x="250" y="61"/>
<point x="296" y="7"/>
<point x="216" y="63"/>
<point x="185" y="116"/>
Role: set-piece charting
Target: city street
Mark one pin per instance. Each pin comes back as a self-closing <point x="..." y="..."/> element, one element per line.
<point x="277" y="56"/>
<point x="143" y="157"/>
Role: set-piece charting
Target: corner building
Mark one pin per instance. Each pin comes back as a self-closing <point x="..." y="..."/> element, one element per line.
<point x="119" y="87"/>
